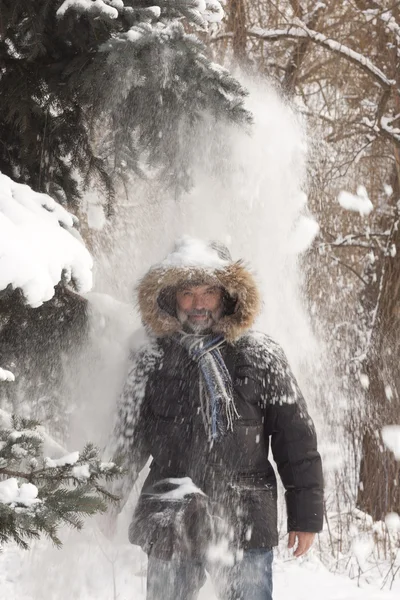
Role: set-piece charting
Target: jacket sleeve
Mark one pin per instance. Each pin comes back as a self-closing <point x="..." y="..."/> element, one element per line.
<point x="294" y="447"/>
<point x="128" y="443"/>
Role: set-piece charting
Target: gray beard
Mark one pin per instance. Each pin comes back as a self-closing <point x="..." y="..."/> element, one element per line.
<point x="189" y="327"/>
<point x="198" y="328"/>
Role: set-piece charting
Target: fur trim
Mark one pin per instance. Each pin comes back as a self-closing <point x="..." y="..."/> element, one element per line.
<point x="234" y="278"/>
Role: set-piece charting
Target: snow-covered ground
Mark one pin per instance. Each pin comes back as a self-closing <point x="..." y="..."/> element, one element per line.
<point x="91" y="569"/>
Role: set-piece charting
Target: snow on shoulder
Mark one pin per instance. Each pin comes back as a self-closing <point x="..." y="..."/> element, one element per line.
<point x="39" y="244"/>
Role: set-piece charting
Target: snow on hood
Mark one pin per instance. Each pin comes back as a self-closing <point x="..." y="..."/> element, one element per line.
<point x="195" y="262"/>
<point x="191" y="252"/>
<point x="38" y="244"/>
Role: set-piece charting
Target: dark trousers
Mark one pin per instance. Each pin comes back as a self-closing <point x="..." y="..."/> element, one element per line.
<point x="248" y="579"/>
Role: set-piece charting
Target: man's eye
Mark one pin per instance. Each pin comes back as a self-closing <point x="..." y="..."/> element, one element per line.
<point x="187" y="293"/>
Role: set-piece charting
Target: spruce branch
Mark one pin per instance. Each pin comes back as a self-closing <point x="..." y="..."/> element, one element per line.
<point x="39" y="494"/>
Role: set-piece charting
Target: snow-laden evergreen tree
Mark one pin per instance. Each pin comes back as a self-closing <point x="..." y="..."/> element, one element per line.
<point x="97" y="87"/>
<point x="38" y="494"/>
<point x="44" y="267"/>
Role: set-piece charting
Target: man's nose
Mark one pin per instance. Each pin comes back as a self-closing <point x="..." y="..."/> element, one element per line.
<point x="198" y="302"/>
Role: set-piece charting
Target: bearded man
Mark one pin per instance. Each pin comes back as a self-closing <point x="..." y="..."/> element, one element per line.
<point x="205" y="398"/>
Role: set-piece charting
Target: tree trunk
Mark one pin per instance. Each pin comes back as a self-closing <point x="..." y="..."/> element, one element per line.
<point x="379" y="491"/>
<point x="237" y="24"/>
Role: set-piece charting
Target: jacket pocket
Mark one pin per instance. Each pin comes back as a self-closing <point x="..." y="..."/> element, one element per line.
<point x="255" y="510"/>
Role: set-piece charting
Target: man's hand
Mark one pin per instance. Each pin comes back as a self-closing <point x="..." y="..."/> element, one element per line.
<point x="304" y="542"/>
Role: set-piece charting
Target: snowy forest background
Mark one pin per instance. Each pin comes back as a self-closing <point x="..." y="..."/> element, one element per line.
<point x="273" y="126"/>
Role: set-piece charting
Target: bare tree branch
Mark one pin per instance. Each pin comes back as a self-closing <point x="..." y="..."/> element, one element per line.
<point x="302" y="31"/>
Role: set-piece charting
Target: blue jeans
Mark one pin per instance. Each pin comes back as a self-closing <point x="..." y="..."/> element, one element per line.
<point x="248" y="579"/>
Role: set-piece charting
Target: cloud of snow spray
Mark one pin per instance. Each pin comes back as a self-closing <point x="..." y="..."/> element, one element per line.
<point x="252" y="199"/>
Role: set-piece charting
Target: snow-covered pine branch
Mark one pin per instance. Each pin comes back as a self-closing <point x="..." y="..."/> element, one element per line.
<point x="39" y="244"/>
<point x="38" y="494"/>
<point x="199" y="12"/>
<point x="107" y="9"/>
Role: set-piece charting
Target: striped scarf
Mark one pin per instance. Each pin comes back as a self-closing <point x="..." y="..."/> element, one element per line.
<point x="216" y="390"/>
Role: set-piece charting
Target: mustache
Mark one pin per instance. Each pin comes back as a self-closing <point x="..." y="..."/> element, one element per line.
<point x="199" y="312"/>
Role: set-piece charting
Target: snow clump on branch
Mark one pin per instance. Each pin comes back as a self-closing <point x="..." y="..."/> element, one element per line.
<point x="203" y="11"/>
<point x="13" y="494"/>
<point x="39" y="245"/>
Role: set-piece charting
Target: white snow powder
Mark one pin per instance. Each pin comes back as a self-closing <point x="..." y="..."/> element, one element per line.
<point x="18" y="451"/>
<point x="191" y="252"/>
<point x="118" y="4"/>
<point x="392" y="521"/>
<point x="28" y="494"/>
<point x="81" y="471"/>
<point x="156" y="10"/>
<point x="210" y="10"/>
<point x="220" y="553"/>
<point x="6" y="375"/>
<point x="388" y="189"/>
<point x="96" y="216"/>
<point x="185" y="488"/>
<point x="391" y="439"/>
<point x="134" y="34"/>
<point x="30" y="433"/>
<point x="388" y="392"/>
<point x="106" y="466"/>
<point x="213" y="13"/>
<point x="303" y="235"/>
<point x="361" y="547"/>
<point x="356" y="202"/>
<point x="8" y="490"/>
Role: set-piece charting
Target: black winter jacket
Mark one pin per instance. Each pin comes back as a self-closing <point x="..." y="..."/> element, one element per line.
<point x="160" y="416"/>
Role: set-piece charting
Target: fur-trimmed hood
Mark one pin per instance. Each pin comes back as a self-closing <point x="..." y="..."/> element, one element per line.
<point x="196" y="262"/>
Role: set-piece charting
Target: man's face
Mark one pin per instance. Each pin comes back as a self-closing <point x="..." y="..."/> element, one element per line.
<point x="199" y="306"/>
